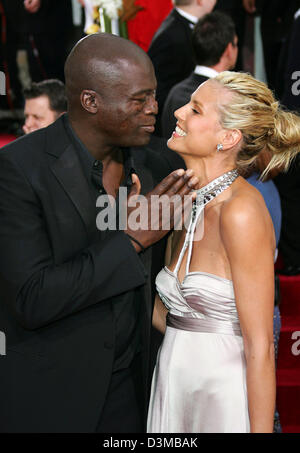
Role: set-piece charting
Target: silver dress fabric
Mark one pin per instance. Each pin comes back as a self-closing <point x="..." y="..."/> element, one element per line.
<point x="199" y="382"/>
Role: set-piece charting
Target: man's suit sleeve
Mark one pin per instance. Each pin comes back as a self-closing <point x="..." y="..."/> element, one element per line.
<point x="37" y="290"/>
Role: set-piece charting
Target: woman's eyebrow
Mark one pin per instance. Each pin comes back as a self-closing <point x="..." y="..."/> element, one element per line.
<point x="199" y="104"/>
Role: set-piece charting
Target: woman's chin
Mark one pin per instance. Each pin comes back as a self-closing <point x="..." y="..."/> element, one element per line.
<point x="171" y="143"/>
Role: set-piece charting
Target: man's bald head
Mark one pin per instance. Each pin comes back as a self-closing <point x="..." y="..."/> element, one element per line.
<point x="96" y="63"/>
<point x="110" y="86"/>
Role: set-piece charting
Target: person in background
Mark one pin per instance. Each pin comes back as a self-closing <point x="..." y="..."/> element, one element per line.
<point x="235" y="9"/>
<point x="42" y="28"/>
<point x="171" y="47"/>
<point x="47" y="25"/>
<point x="276" y="22"/>
<point x="44" y="102"/>
<point x="288" y="183"/>
<point x="291" y="93"/>
<point x="215" y="46"/>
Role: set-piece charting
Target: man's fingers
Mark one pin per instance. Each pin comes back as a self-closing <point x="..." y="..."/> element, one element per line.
<point x="189" y="186"/>
<point x="185" y="185"/>
<point x="174" y="183"/>
<point x="136" y="186"/>
<point x="168" y="182"/>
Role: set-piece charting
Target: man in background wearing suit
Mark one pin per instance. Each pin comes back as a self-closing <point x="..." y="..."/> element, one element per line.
<point x="75" y="296"/>
<point x="288" y="183"/>
<point x="215" y="48"/>
<point x="236" y="10"/>
<point x="171" y="48"/>
<point x="276" y="22"/>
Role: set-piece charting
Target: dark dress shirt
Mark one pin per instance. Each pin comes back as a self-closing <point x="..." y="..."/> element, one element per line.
<point x="125" y="306"/>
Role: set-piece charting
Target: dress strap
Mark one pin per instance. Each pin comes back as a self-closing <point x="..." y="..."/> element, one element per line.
<point x="204" y="196"/>
<point x="188" y="241"/>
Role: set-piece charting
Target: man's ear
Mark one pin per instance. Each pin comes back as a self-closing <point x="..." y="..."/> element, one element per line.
<point x="231" y="138"/>
<point x="228" y="50"/>
<point x="89" y="101"/>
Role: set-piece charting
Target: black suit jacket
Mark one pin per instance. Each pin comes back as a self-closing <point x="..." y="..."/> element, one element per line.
<point x="53" y="17"/>
<point x="171" y="54"/>
<point x="178" y="96"/>
<point x="291" y="96"/>
<point x="56" y="279"/>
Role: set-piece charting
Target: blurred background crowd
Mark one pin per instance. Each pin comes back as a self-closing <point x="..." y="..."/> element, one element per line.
<point x="36" y="36"/>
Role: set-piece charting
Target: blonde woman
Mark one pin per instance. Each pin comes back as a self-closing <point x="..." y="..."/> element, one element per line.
<point x="215" y="370"/>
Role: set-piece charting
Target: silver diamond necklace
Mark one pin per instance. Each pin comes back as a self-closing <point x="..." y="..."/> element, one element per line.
<point x="213" y="189"/>
<point x="204" y="196"/>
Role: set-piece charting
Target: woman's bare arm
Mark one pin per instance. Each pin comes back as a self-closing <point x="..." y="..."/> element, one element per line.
<point x="160" y="311"/>
<point x="159" y="315"/>
<point x="249" y="241"/>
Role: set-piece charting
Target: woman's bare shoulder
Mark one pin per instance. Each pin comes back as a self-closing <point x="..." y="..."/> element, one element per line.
<point x="245" y="212"/>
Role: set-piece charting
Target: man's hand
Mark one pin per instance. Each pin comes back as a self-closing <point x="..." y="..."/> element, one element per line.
<point x="249" y="6"/>
<point x="150" y="217"/>
<point x="32" y="6"/>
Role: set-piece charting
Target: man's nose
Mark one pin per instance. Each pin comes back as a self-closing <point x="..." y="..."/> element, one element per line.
<point x="29" y="122"/>
<point x="151" y="106"/>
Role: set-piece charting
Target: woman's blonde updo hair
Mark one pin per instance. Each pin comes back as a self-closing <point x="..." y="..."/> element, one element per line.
<point x="263" y="123"/>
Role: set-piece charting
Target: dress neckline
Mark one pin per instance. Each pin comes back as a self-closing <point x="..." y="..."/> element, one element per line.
<point x="208" y="274"/>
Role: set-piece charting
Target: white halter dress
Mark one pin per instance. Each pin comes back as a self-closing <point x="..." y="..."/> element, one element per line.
<point x="199" y="382"/>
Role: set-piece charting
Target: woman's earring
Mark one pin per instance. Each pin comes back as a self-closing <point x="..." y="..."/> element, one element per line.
<point x="219" y="147"/>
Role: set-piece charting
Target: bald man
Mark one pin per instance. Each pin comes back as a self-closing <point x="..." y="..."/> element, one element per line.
<point x="75" y="298"/>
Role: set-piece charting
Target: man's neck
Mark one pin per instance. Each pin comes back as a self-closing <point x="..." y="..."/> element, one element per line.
<point x="222" y="65"/>
<point x="187" y="12"/>
<point x="212" y="71"/>
<point x="94" y="143"/>
<point x="111" y="158"/>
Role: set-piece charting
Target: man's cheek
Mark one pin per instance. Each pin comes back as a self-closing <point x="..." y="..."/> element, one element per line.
<point x="124" y="126"/>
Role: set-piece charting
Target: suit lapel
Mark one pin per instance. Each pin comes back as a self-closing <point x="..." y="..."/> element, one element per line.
<point x="68" y="170"/>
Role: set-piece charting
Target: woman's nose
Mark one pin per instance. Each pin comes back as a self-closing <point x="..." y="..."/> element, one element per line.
<point x="180" y="113"/>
